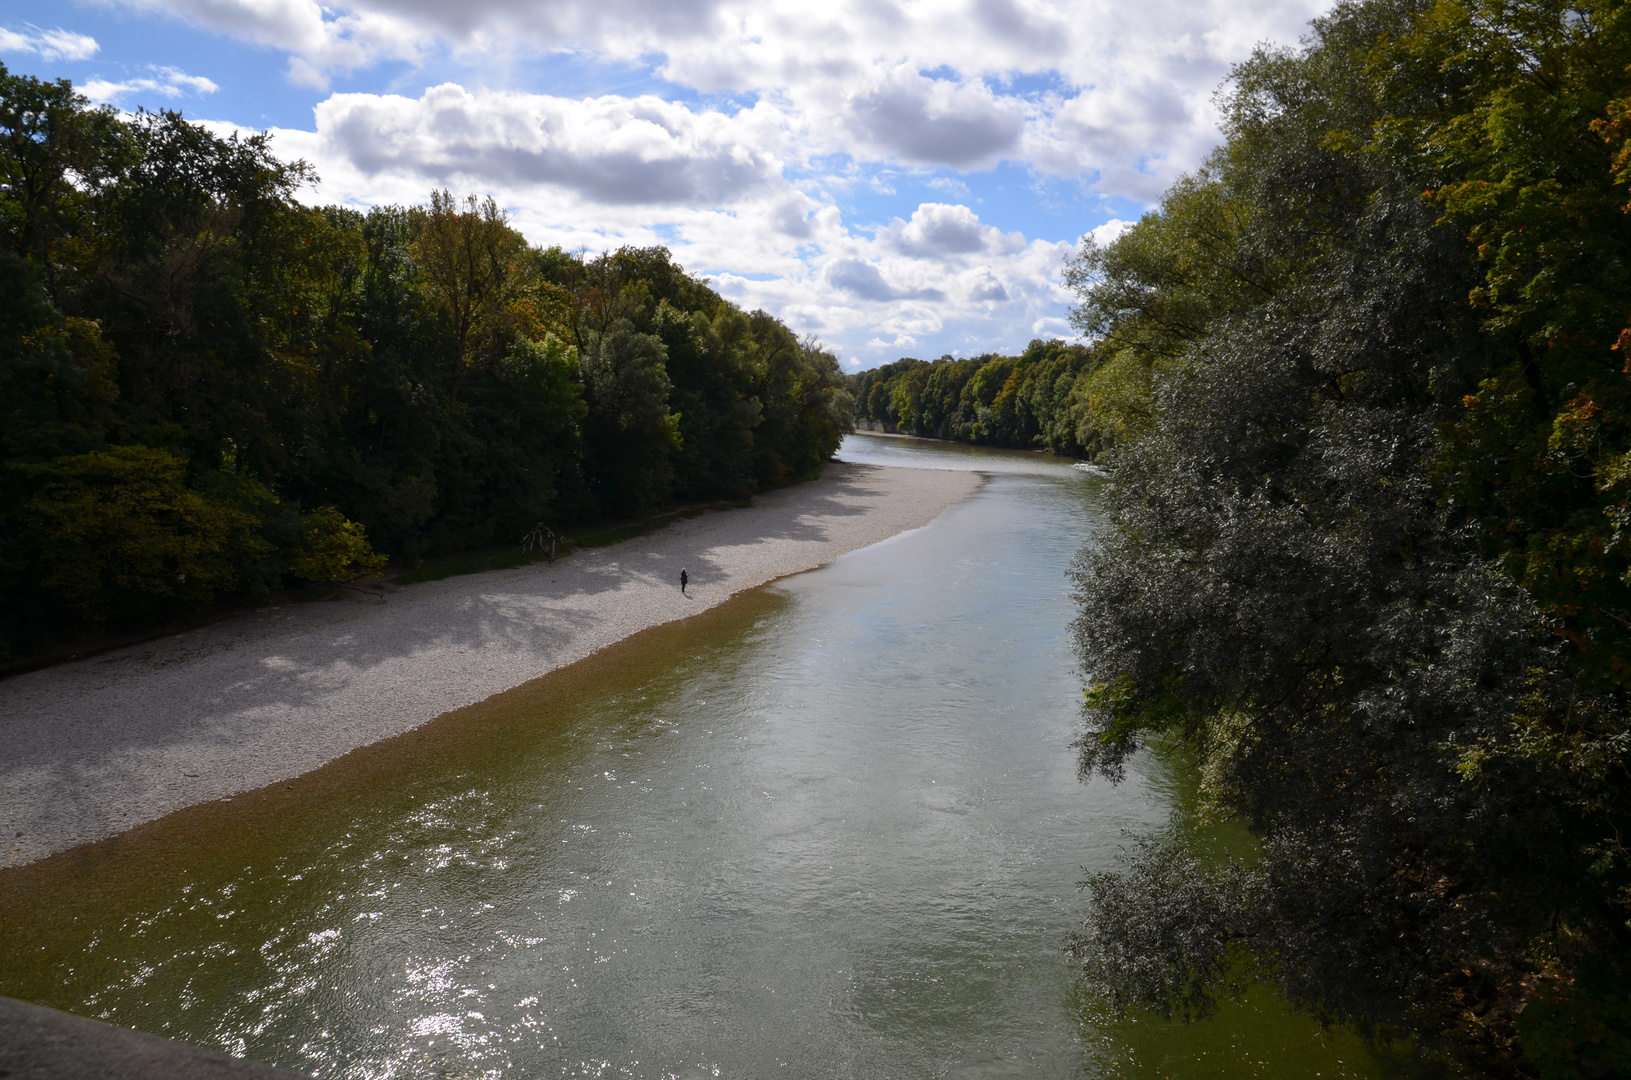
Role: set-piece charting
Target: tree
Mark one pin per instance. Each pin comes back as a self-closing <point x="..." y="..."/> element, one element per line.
<point x="52" y="147"/>
<point x="1358" y="528"/>
<point x="630" y="430"/>
<point x="1024" y="401"/>
<point x="332" y="549"/>
<point x="807" y="407"/>
<point x="473" y="263"/>
<point x="208" y="389"/>
<point x="715" y="367"/>
<point x="120" y="536"/>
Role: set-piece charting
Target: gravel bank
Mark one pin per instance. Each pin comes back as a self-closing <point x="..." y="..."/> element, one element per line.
<point x="92" y="748"/>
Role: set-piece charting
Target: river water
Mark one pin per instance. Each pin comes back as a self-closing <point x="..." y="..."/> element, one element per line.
<point x="831" y="828"/>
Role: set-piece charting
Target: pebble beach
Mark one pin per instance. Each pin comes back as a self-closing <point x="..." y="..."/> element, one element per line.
<point x="91" y="748"/>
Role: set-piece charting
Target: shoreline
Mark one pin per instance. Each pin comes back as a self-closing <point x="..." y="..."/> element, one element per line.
<point x="938" y="441"/>
<point x="94" y="747"/>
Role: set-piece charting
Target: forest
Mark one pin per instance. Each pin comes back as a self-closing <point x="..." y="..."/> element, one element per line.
<point x="1367" y="412"/>
<point x="1040" y="399"/>
<point x="209" y="391"/>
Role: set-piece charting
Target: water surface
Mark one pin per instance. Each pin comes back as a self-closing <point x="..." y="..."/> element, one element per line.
<point x="830" y="828"/>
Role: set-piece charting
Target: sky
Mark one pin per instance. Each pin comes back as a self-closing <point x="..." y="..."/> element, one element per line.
<point x="893" y="177"/>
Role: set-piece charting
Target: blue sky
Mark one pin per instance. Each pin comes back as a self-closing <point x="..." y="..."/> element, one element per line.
<point x="895" y="178"/>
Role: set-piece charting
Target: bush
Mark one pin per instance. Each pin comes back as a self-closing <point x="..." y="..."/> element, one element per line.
<point x="121" y="537"/>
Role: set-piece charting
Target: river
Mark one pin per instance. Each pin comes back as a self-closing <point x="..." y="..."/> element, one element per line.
<point x="831" y="828"/>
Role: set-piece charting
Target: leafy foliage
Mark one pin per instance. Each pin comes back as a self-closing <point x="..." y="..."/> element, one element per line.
<point x="1037" y="399"/>
<point x="333" y="549"/>
<point x="1366" y="558"/>
<point x="207" y="389"/>
<point x="118" y="531"/>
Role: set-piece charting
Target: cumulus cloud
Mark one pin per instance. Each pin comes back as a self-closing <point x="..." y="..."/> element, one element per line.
<point x="55" y="44"/>
<point x="1042" y="33"/>
<point x="601" y="172"/>
<point x="985" y="287"/>
<point x="318" y="39"/>
<point x="794" y="216"/>
<point x="166" y="82"/>
<point x="1108" y="233"/>
<point x="933" y="83"/>
<point x="784" y="107"/>
<point x="934" y="121"/>
<point x="865" y="281"/>
<point x="940" y="230"/>
<point x="608" y="150"/>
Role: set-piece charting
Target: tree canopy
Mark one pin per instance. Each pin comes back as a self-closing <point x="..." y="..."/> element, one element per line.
<point x="208" y="389"/>
<point x="1039" y="399"/>
<point x="1368" y="557"/>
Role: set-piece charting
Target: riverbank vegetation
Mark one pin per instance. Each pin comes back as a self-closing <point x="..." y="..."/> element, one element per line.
<point x="1040" y="399"/>
<point x="1371" y="547"/>
<point x="209" y="391"/>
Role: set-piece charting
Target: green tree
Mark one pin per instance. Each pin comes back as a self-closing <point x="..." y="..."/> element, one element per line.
<point x="520" y="448"/>
<point x="191" y="360"/>
<point x="807" y="406"/>
<point x="714" y="366"/>
<point x="473" y="263"/>
<point x="53" y="147"/>
<point x="120" y="536"/>
<point x="1025" y="401"/>
<point x="332" y="549"/>
<point x="1361" y="560"/>
<point x="630" y="431"/>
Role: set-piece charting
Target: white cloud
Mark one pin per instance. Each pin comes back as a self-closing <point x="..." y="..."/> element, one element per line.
<point x="982" y="286"/>
<point x="601" y="172"/>
<point x="846" y="97"/>
<point x="56" y="44"/>
<point x="608" y="150"/>
<point x="1126" y="88"/>
<point x="933" y="121"/>
<point x="166" y="82"/>
<point x="942" y="230"/>
<point x="319" y="40"/>
<point x="864" y="280"/>
<point x="866" y="294"/>
<point x="1108" y="233"/>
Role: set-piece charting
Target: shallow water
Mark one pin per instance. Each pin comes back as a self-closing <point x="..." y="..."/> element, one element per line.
<point x="832" y="827"/>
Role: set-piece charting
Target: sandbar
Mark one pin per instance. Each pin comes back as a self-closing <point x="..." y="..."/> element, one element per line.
<point x="91" y="748"/>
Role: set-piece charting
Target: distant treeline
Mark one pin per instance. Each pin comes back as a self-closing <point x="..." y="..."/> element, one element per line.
<point x="1038" y="399"/>
<point x="208" y="390"/>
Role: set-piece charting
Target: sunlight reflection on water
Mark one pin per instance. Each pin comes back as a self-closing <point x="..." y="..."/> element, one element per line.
<point x="832" y="825"/>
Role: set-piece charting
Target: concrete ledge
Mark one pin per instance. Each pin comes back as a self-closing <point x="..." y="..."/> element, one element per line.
<point x="37" y="1043"/>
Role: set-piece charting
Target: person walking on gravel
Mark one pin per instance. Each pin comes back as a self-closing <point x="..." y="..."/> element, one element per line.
<point x="684" y="578"/>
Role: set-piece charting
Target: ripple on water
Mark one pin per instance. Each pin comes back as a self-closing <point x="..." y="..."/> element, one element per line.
<point x="833" y="824"/>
